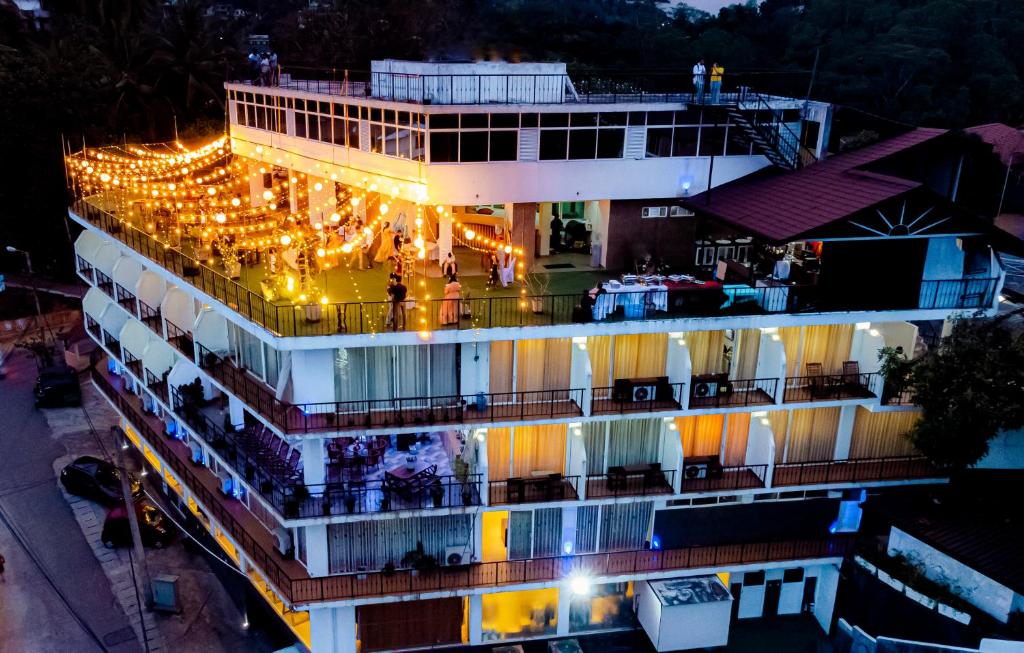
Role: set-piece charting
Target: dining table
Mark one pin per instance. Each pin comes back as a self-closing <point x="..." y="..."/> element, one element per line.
<point x="633" y="298"/>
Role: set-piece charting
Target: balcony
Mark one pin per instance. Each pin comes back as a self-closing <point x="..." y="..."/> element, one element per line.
<point x="542" y="488"/>
<point x="151" y="318"/>
<point x="181" y="340"/>
<point x="708" y="475"/>
<point x="637" y="396"/>
<point x="630" y="480"/>
<point x="125" y="298"/>
<point x="504" y="307"/>
<point x="389" y="413"/>
<point x="829" y="387"/>
<point x="106" y="284"/>
<point x="384" y="496"/>
<point x="296" y="586"/>
<point x="719" y="391"/>
<point x="855" y="470"/>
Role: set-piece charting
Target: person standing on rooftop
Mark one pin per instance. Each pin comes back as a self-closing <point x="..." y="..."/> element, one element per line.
<point x="717" y="70"/>
<point x="698" y="80"/>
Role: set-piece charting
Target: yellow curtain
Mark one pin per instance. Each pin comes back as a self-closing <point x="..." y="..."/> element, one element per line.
<point x="705" y="351"/>
<point x="790" y="337"/>
<point x="498" y="451"/>
<point x="778" y="421"/>
<point x="701" y="435"/>
<point x="737" y="427"/>
<point x="640" y="356"/>
<point x="538" y="448"/>
<point x="749" y="344"/>
<point x="812" y="435"/>
<point x="543" y="364"/>
<point x="829" y="345"/>
<point x="599" y="349"/>
<point x="877" y="435"/>
<point x="501" y="366"/>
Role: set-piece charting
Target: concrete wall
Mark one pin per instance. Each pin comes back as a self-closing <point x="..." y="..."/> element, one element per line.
<point x="976" y="588"/>
<point x="631" y="237"/>
<point x="944" y="259"/>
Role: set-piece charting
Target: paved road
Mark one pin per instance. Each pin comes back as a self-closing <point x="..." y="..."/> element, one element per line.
<point x="56" y="597"/>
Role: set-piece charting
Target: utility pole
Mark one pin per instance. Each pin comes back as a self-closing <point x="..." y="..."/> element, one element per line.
<point x="35" y="291"/>
<point x="138" y="553"/>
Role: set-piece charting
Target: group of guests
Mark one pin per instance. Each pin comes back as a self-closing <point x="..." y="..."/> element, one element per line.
<point x="702" y="74"/>
<point x="398" y="293"/>
<point x="264" y="68"/>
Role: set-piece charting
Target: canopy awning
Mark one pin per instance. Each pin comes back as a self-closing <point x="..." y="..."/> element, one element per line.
<point x="135" y="338"/>
<point x="177" y="307"/>
<point x="95" y="302"/>
<point x="87" y="245"/>
<point x="159" y="358"/>
<point x="113" y="319"/>
<point x="150" y="288"/>
<point x="106" y="259"/>
<point x="126" y="273"/>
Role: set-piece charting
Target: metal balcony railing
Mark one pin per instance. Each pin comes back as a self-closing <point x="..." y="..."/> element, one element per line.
<point x="626" y="482"/>
<point x="291" y="320"/>
<point x="718" y="479"/>
<point x="856" y="470"/>
<point x="443" y="491"/>
<point x="540" y="489"/>
<point x="637" y="397"/>
<point x="150" y="317"/>
<point x="106" y="284"/>
<point x="181" y="340"/>
<point x="825" y="387"/>
<point x="713" y="391"/>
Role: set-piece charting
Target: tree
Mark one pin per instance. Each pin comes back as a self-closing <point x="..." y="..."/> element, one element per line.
<point x="969" y="389"/>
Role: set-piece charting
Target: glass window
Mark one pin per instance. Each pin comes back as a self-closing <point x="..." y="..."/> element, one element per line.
<point x="391" y="141"/>
<point x="300" y="124"/>
<point x="554" y="119"/>
<point x="637" y="118"/>
<point x="618" y="118"/>
<point x="553" y="143"/>
<point x="417" y="145"/>
<point x="474" y="121"/>
<point x="582" y="143"/>
<point x="473" y="146"/>
<point x="324" y="107"/>
<point x="444" y="121"/>
<point x="325" y="129"/>
<point x="712" y="141"/>
<point x="684" y="143"/>
<point x="610" y="143"/>
<point x="444" y="147"/>
<point x="376" y="115"/>
<point x="390" y="116"/>
<point x="690" y="116"/>
<point x="353" y="133"/>
<point x="659" y="117"/>
<point x="339" y="110"/>
<point x="736" y="143"/>
<point x="261" y="117"/>
<point x="512" y="615"/>
<point x="403" y="117"/>
<point x="659" y="142"/>
<point x="583" y="119"/>
<point x="605" y="607"/>
<point x="504" y="145"/>
<point x="793" y="575"/>
<point x="402" y="138"/>
<point x="504" y="120"/>
<point x="376" y="138"/>
<point x="339" y="131"/>
<point x="239" y="113"/>
<point x="418" y="121"/>
<point x="313" y="126"/>
<point x="528" y="120"/>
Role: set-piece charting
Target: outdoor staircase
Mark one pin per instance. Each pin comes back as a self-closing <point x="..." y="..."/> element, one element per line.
<point x="763" y="126"/>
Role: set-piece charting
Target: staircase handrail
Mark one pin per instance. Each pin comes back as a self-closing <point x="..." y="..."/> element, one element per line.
<point x="778" y="133"/>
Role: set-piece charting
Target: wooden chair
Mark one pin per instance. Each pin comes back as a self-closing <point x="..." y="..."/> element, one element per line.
<point x="816" y="382"/>
<point x="851" y="375"/>
<point x="515" y="489"/>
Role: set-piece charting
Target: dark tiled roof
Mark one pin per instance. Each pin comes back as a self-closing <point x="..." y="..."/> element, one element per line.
<point x="783" y="206"/>
<point x="977" y="523"/>
<point x="1006" y="141"/>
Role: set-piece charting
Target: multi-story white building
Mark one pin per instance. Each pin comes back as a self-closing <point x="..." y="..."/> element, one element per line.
<point x="520" y="462"/>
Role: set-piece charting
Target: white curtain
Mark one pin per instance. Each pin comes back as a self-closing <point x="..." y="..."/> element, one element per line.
<point x="443" y="371"/>
<point x="593" y="441"/>
<point x="350" y="374"/>
<point x="624" y="525"/>
<point x="547" y="532"/>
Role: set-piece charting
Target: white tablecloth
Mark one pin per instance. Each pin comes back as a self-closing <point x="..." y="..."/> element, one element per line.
<point x="634" y="298"/>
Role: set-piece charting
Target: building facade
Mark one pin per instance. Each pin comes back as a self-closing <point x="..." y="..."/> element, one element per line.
<point x="677" y="377"/>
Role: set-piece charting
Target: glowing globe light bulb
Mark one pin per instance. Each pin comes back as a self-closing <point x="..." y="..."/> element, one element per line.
<point x="286" y="239"/>
<point x="268" y="195"/>
<point x="470" y="234"/>
<point x="383" y="209"/>
<point x="235" y="201"/>
<point x="220" y="217"/>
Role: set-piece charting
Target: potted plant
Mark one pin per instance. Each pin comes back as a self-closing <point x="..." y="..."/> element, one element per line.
<point x="437" y="494"/>
<point x="389" y="569"/>
<point x="293" y="503"/>
<point x="537" y="281"/>
<point x="418" y="560"/>
<point x="894" y="368"/>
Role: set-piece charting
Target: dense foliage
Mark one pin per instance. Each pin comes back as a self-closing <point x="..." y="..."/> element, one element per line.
<point x="105" y="70"/>
<point x="969" y="389"/>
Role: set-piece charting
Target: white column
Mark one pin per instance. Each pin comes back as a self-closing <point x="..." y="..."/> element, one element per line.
<point x="545" y="228"/>
<point x="601" y="232"/>
<point x="671" y="457"/>
<point x="313" y="469"/>
<point x="568" y="532"/>
<point x="320" y="192"/>
<point x="844" y="433"/>
<point x="678" y="366"/>
<point x="761" y="445"/>
<point x="317" y="561"/>
<point x="333" y="630"/>
<point x="576" y="457"/>
<point x="444" y="233"/>
<point x="236" y="412"/>
<point x="580" y="375"/>
<point x="293" y="191"/>
<point x="255" y="184"/>
<point x="564" y="599"/>
<point x="312" y="376"/>
<point x="771" y="361"/>
<point x="476" y="619"/>
<point x="475" y="371"/>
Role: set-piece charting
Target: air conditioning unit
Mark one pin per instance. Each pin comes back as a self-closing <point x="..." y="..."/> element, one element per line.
<point x="705" y="389"/>
<point x="654" y="212"/>
<point x="226" y="482"/>
<point x="680" y="212"/>
<point x="456" y="555"/>
<point x="284" y="542"/>
<point x="197" y="452"/>
<point x="696" y="470"/>
<point x="644" y="392"/>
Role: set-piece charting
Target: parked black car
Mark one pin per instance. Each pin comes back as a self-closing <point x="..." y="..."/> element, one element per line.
<point x="57" y="386"/>
<point x="96" y="479"/>
<point x="156" y="530"/>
